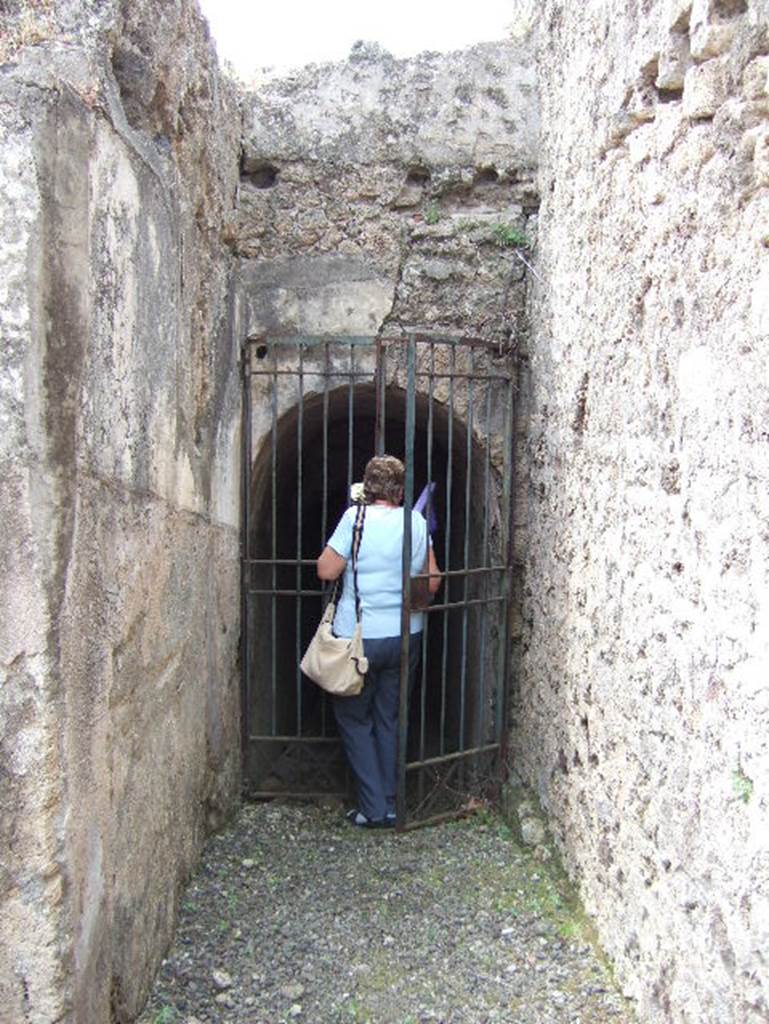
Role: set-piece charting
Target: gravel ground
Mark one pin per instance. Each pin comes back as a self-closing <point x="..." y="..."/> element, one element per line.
<point x="297" y="916"/>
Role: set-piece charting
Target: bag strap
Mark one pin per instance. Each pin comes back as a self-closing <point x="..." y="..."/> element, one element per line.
<point x="357" y="534"/>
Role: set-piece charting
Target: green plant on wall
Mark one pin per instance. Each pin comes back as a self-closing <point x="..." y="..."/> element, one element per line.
<point x="743" y="786"/>
<point x="432" y="214"/>
<point x="508" y="236"/>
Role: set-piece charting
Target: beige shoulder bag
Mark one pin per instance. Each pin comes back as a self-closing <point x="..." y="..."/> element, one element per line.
<point x="337" y="663"/>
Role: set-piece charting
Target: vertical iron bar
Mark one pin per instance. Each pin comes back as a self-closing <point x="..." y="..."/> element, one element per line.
<point x="380" y="388"/>
<point x="350" y="423"/>
<point x="423" y="703"/>
<point x="245" y="542"/>
<point x="324" y="507"/>
<point x="274" y="544"/>
<point x="408" y="503"/>
<point x="447" y="547"/>
<point x="299" y="444"/>
<point x="466" y="551"/>
<point x="350" y="428"/>
<point x="483" y="609"/>
<point x="508" y="493"/>
<point x="384" y="398"/>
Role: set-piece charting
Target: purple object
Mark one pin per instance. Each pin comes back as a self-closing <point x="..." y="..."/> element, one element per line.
<point x="426" y="506"/>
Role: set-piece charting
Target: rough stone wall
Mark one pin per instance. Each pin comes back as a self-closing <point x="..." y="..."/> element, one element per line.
<point x="371" y="190"/>
<point x="119" y="449"/>
<point x="642" y="714"/>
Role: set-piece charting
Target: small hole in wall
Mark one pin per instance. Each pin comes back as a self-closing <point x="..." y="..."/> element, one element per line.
<point x="261" y="175"/>
<point x="670" y="95"/>
<point x="580" y="415"/>
<point x="487" y="176"/>
<point x="261" y="352"/>
<point x="729" y="8"/>
<point x="417" y="176"/>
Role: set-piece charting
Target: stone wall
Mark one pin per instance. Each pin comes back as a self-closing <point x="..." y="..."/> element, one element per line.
<point x="371" y="190"/>
<point x="119" y="404"/>
<point x="642" y="711"/>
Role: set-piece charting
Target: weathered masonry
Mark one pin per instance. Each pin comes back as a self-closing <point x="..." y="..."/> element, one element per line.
<point x="163" y="235"/>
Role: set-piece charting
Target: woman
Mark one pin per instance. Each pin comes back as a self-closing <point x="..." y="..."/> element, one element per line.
<point x="368" y="723"/>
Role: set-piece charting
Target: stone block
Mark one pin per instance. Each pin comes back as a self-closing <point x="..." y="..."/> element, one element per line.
<point x="759" y="139"/>
<point x="711" y="40"/>
<point x="711" y="35"/>
<point x="437" y="270"/>
<point x="314" y="295"/>
<point x="693" y="152"/>
<point x="755" y="79"/>
<point x="409" y="196"/>
<point x="705" y="89"/>
<point x="674" y="60"/>
<point x="436" y="110"/>
<point x="676" y="15"/>
<point x="640" y="144"/>
<point x="532" y="832"/>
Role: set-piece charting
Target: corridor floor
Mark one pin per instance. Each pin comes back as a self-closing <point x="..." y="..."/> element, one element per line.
<point x="296" y="916"/>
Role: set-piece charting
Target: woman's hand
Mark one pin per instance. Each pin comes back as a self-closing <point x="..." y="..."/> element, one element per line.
<point x="331" y="565"/>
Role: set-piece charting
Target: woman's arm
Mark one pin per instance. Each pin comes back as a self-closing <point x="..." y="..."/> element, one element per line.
<point x="435" y="573"/>
<point x="330" y="564"/>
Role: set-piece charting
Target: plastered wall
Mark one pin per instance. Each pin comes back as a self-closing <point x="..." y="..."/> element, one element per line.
<point x="119" y="448"/>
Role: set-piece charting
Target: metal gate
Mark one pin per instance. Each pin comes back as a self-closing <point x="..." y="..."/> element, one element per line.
<point x="314" y="410"/>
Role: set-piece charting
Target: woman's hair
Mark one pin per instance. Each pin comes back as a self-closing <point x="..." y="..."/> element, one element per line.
<point x="383" y="480"/>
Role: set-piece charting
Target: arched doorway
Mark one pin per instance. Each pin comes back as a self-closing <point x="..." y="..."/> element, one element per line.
<point x="315" y="411"/>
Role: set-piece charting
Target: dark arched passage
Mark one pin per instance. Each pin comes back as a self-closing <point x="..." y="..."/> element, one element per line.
<point x="299" y="483"/>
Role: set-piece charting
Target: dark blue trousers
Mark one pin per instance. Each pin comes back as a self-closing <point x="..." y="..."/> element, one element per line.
<point x="368" y="724"/>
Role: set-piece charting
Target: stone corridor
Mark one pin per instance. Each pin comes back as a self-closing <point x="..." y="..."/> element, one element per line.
<point x="295" y="916"/>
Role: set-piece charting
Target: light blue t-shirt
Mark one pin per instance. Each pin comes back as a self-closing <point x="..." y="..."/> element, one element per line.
<point x="380" y="581"/>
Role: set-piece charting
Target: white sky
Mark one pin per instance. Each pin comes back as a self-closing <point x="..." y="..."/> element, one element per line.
<point x="288" y="33"/>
